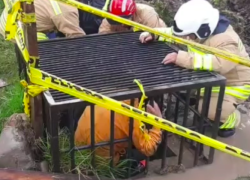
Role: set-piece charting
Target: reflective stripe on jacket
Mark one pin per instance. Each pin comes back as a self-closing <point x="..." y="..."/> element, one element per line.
<point x="57" y="16"/>
<point x="202" y="61"/>
<point x="52" y="16"/>
<point x="56" y="7"/>
<point x="239" y="92"/>
<point x="237" y="75"/>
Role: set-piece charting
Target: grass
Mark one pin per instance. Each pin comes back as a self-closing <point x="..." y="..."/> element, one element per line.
<point x="10" y="96"/>
<point x="83" y="160"/>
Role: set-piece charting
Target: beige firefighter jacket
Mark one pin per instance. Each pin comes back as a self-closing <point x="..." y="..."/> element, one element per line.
<point x="145" y="15"/>
<point x="52" y="16"/>
<point x="236" y="74"/>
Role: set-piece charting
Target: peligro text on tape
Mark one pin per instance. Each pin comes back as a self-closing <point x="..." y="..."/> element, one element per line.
<point x="206" y="49"/>
<point x="49" y="81"/>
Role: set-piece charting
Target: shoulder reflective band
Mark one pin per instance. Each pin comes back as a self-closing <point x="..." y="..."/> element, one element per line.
<point x="207" y="49"/>
<point x="56" y="7"/>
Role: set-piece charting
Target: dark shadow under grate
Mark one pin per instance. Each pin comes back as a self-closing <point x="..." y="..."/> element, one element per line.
<point x="108" y="64"/>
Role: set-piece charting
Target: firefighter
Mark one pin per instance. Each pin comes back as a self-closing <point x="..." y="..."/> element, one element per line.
<point x="199" y="21"/>
<point x="52" y="17"/>
<point x="146" y="142"/>
<point x="140" y="13"/>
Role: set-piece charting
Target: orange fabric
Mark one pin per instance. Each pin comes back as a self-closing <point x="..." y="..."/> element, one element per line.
<point x="102" y="133"/>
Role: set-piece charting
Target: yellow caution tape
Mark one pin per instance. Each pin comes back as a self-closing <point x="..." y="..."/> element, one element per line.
<point x="30" y="90"/>
<point x="13" y="14"/>
<point x="206" y="49"/>
<point x="28" y="18"/>
<point x="50" y="81"/>
<point x="26" y="99"/>
<point x="45" y="80"/>
<point x="142" y="107"/>
<point x="143" y="97"/>
<point x="19" y="37"/>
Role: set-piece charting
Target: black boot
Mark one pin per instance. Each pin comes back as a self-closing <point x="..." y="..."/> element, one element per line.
<point x="226" y="132"/>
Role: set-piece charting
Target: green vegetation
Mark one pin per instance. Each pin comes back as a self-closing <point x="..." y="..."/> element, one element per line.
<point x="83" y="160"/>
<point x="10" y="96"/>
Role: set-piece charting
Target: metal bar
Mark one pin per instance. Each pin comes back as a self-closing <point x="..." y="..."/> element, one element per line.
<point x="151" y="102"/>
<point x="194" y="110"/>
<point x="54" y="139"/>
<point x="130" y="139"/>
<point x="98" y="145"/>
<point x="31" y="42"/>
<point x="195" y="118"/>
<point x="206" y="116"/>
<point x="72" y="137"/>
<point x="112" y="134"/>
<point x="176" y="110"/>
<point x="216" y="121"/>
<point x="184" y="124"/>
<point x="208" y="97"/>
<point x="201" y="122"/>
<point x="92" y="119"/>
<point x="196" y="106"/>
<point x="77" y="112"/>
<point x="165" y="133"/>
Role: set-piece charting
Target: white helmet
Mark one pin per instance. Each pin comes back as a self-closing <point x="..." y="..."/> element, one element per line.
<point x="196" y="16"/>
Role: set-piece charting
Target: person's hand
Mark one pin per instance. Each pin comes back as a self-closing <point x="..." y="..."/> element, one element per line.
<point x="170" y="58"/>
<point x="154" y="110"/>
<point x="145" y="37"/>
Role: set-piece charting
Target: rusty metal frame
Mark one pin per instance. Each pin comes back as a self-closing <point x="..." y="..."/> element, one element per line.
<point x="30" y="33"/>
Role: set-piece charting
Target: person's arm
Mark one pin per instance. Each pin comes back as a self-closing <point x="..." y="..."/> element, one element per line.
<point x="68" y="24"/>
<point x="147" y="142"/>
<point x="210" y="62"/>
<point x="105" y="27"/>
<point x="146" y="36"/>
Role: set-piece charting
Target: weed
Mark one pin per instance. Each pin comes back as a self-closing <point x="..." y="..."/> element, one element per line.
<point x="10" y="102"/>
<point x="10" y="96"/>
<point x="83" y="160"/>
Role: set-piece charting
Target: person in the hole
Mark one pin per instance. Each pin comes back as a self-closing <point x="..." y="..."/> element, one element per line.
<point x="140" y="13"/>
<point x="199" y="21"/>
<point x="145" y="142"/>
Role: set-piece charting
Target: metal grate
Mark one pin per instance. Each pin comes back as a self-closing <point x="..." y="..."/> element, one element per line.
<point x="108" y="64"/>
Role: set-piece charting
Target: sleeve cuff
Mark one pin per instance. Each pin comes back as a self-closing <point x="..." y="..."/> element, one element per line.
<point x="183" y="59"/>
